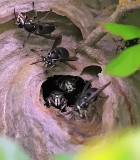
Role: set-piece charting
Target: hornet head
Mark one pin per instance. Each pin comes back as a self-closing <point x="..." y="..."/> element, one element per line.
<point x="20" y="19"/>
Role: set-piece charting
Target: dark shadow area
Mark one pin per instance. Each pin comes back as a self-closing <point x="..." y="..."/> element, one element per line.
<point x="61" y="83"/>
<point x="7" y="26"/>
<point x="92" y="70"/>
<point x="131" y="18"/>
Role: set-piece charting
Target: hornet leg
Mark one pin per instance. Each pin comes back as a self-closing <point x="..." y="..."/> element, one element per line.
<point x="35" y="12"/>
<point x="26" y="40"/>
<point x="45" y="15"/>
<point x="15" y="14"/>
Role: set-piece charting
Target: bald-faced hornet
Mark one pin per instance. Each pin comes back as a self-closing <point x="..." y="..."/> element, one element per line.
<point x="57" y="100"/>
<point x="87" y="97"/>
<point x="125" y="44"/>
<point x="56" y="54"/>
<point x="67" y="84"/>
<point x="36" y="27"/>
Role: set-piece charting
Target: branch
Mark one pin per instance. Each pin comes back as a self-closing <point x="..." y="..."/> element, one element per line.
<point x="120" y="13"/>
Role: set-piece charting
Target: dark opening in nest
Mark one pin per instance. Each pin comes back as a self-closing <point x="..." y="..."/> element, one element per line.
<point x="69" y="86"/>
<point x="92" y="70"/>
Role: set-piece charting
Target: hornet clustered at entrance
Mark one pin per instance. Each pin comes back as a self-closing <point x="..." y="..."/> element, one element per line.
<point x="85" y="98"/>
<point x="68" y="84"/>
<point x="88" y="96"/>
<point x="57" y="100"/>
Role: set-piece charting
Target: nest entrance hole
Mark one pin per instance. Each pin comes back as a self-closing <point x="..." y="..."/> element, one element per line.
<point x="79" y="127"/>
<point x="58" y="83"/>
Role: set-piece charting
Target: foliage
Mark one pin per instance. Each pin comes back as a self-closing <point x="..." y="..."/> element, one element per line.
<point x="123" y="145"/>
<point x="128" y="61"/>
<point x="9" y="150"/>
<point x="125" y="31"/>
<point x="63" y="157"/>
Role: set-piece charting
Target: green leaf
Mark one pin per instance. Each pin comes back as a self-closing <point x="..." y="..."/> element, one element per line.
<point x="125" y="31"/>
<point x="124" y="145"/>
<point x="125" y="63"/>
<point x="9" y="150"/>
<point x="63" y="157"/>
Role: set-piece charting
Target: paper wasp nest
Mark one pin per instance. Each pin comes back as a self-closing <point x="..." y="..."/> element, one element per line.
<point x="41" y="131"/>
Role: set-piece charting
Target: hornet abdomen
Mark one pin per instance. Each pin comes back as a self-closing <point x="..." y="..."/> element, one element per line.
<point x="63" y="53"/>
<point x="45" y="28"/>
